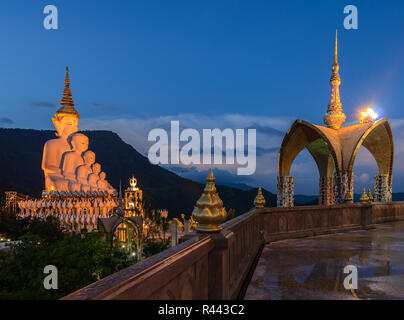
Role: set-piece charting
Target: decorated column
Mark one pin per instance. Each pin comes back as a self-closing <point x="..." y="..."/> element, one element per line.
<point x="383" y="188"/>
<point x="326" y="191"/>
<point x="286" y="191"/>
<point x="343" y="187"/>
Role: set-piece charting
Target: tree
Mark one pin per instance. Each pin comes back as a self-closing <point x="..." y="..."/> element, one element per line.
<point x="80" y="259"/>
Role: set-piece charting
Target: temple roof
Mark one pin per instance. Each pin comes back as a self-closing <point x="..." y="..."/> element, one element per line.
<point x="340" y="145"/>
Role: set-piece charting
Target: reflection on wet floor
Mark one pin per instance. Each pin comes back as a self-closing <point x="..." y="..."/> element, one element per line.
<point x="313" y="268"/>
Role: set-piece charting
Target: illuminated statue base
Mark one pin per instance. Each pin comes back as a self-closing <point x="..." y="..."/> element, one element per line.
<point x="75" y="212"/>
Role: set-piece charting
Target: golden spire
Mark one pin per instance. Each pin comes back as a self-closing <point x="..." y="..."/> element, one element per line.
<point x="209" y="211"/>
<point x="67" y="104"/>
<point x="334" y="117"/>
<point x="259" y="201"/>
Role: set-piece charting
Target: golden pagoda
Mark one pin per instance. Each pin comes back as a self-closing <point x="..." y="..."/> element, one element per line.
<point x="259" y="201"/>
<point x="133" y="199"/>
<point x="364" y="197"/>
<point x="370" y="195"/>
<point x="209" y="212"/>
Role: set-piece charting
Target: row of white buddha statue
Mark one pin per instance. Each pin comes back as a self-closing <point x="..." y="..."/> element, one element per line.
<point x="67" y="163"/>
<point x="79" y="173"/>
<point x="71" y="222"/>
<point x="66" y="204"/>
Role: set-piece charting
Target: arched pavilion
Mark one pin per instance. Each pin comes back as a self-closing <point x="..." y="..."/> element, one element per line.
<point x="334" y="149"/>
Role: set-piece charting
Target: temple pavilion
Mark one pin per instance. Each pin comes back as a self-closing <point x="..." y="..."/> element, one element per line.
<point x="334" y="149"/>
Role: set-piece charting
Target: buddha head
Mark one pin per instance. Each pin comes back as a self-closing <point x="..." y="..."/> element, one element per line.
<point x="103" y="175"/>
<point x="65" y="124"/>
<point x="79" y="142"/>
<point x="66" y="117"/>
<point x="96" y="168"/>
<point x="89" y="157"/>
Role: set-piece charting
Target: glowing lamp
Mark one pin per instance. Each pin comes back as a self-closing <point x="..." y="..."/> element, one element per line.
<point x="368" y="116"/>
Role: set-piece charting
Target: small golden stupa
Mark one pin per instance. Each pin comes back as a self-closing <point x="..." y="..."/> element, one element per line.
<point x="209" y="212"/>
<point x="259" y="201"/>
<point x="364" y="197"/>
<point x="370" y="196"/>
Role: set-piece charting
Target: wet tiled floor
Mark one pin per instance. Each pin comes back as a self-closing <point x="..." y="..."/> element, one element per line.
<point x="313" y="268"/>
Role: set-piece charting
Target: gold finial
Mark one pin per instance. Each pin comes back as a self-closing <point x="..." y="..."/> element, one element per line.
<point x="259" y="201"/>
<point x="67" y="104"/>
<point x="370" y="196"/>
<point x="364" y="197"/>
<point x="209" y="212"/>
<point x="133" y="183"/>
<point x="336" y="48"/>
<point x="334" y="117"/>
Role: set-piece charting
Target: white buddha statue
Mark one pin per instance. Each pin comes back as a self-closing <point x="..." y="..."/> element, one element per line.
<point x="66" y="123"/>
<point x="73" y="159"/>
<point x="94" y="177"/>
<point x="103" y="184"/>
<point x="85" y="170"/>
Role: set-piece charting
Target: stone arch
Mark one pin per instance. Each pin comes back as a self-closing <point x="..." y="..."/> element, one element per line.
<point x="303" y="135"/>
<point x="378" y="139"/>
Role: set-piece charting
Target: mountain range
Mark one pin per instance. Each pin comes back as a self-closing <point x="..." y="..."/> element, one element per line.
<point x="20" y="170"/>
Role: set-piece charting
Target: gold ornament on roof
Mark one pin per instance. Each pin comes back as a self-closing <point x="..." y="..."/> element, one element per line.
<point x="259" y="201"/>
<point x="209" y="212"/>
<point x="334" y="117"/>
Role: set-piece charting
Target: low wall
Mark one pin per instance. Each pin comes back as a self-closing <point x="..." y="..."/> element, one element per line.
<point x="210" y="266"/>
<point x="297" y="222"/>
<point x="217" y="266"/>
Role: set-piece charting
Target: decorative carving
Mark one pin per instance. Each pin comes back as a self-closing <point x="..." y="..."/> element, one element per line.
<point x="285" y="197"/>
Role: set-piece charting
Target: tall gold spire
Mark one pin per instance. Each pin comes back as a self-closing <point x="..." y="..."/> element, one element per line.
<point x="334" y="117"/>
<point x="67" y="104"/>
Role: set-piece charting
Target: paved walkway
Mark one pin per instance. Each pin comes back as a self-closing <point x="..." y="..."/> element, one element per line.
<point x="313" y="268"/>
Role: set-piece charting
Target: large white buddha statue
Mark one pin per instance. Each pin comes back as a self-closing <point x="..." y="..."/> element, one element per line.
<point x="66" y="123"/>
<point x="73" y="159"/>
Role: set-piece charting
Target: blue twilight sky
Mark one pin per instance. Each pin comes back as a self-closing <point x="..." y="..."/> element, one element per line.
<point x="136" y="65"/>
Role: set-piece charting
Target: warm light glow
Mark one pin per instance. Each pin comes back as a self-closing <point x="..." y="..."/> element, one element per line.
<point x="368" y="116"/>
<point x="52" y="188"/>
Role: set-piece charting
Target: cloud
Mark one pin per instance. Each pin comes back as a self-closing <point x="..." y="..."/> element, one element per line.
<point x="6" y="121"/>
<point x="43" y="104"/>
<point x="270" y="132"/>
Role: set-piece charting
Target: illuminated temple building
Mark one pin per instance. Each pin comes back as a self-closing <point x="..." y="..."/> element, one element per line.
<point x="76" y="190"/>
<point x="334" y="149"/>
